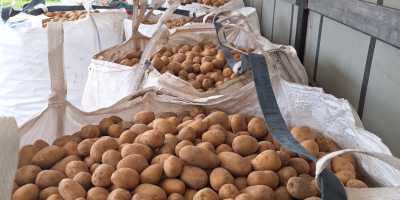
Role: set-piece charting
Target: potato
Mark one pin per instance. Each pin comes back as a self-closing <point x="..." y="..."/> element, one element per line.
<point x="152" y="138"/>
<point x="187" y="133"/>
<point x="84" y="179"/>
<point x="228" y="191"/>
<point x="172" y="167"/>
<point x="48" y="178"/>
<point x="187" y="66"/>
<point x="153" y="191"/>
<point x="219" y="177"/>
<point x="244" y="196"/>
<point x="257" y="127"/>
<point x="322" y="142"/>
<point x="71" y="148"/>
<point x="116" y="119"/>
<point x="138" y="129"/>
<point x="74" y="167"/>
<point x="111" y="157"/>
<point x="173" y="186"/>
<point x="206" y="194"/>
<point x="174" y="120"/>
<point x="102" y="175"/>
<point x="235" y="163"/>
<point x="197" y="110"/>
<point x="238" y="123"/>
<point x="89" y="161"/>
<point x="175" y="196"/>
<point x="101" y="146"/>
<point x="40" y="144"/>
<point x="354" y="183"/>
<point x="345" y="176"/>
<point x="223" y="148"/>
<point x="94" y="167"/>
<point x="341" y="164"/>
<point x="45" y="193"/>
<point x="169" y="145"/>
<point x="215" y="137"/>
<point x="152" y="174"/>
<point x="70" y="190"/>
<point x="196" y="85"/>
<point x="160" y="159"/>
<point x="90" y="131"/>
<point x="26" y="174"/>
<point x="350" y="158"/>
<point x="282" y="193"/>
<point x="244" y="145"/>
<point x="285" y="173"/>
<point x="260" y="192"/>
<point x="104" y="124"/>
<point x="165" y="126"/>
<point x="311" y="147"/>
<point x="26" y="192"/>
<point x="157" y="63"/>
<point x="136" y="148"/>
<point x="206" y="67"/>
<point x="85" y="146"/>
<point x="205" y="145"/>
<point x="199" y="127"/>
<point x="126" y="178"/>
<point x="180" y="145"/>
<point x="306" y="177"/>
<point x="134" y="161"/>
<point x="300" y="188"/>
<point x="312" y="198"/>
<point x="218" y="117"/>
<point x="97" y="193"/>
<point x="115" y="130"/>
<point x="301" y="133"/>
<point x="48" y="156"/>
<point x="300" y="165"/>
<point x="144" y="117"/>
<point x="284" y="157"/>
<point x="276" y="143"/>
<point x="265" y="145"/>
<point x="141" y="196"/>
<point x="61" y="141"/>
<point x="266" y="177"/>
<point x="174" y="67"/>
<point x="55" y="197"/>
<point x="194" y="177"/>
<point x="229" y="137"/>
<point x="267" y="160"/>
<point x="60" y="165"/>
<point x="119" y="194"/>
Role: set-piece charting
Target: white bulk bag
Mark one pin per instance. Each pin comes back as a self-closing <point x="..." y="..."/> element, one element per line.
<point x="198" y="7"/>
<point x="24" y="77"/>
<point x="299" y="105"/>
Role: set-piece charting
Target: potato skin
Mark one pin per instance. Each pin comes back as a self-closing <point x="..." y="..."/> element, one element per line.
<point x="97" y="193"/>
<point x="244" y="196"/>
<point x="55" y="197"/>
<point x="228" y="191"/>
<point x="102" y="175"/>
<point x="217" y="117"/>
<point x="199" y="157"/>
<point x="260" y="192"/>
<point x="300" y="165"/>
<point x="152" y="174"/>
<point x="25" y="155"/>
<point x="63" y="140"/>
<point x="137" y="149"/>
<point x="144" y="117"/>
<point x="301" y="133"/>
<point x="141" y="196"/>
<point x="125" y="178"/>
<point x="267" y="160"/>
<point x="172" y="167"/>
<point x="238" y="123"/>
<point x="26" y="174"/>
<point x="153" y="191"/>
<point x="85" y="146"/>
<point x="90" y="131"/>
<point x="257" y="127"/>
<point x="173" y="186"/>
<point x="71" y="190"/>
<point x="345" y="176"/>
<point x="354" y="183"/>
<point x="48" y="178"/>
<point x="26" y="192"/>
<point x="152" y="138"/>
<point x="300" y="188"/>
<point x="119" y="194"/>
<point x="74" y="167"/>
<point x="111" y="157"/>
<point x="101" y="146"/>
<point x="48" y="156"/>
<point x="84" y="179"/>
<point x="45" y="193"/>
<point x="266" y="177"/>
<point x="235" y="164"/>
<point x="61" y="165"/>
<point x="215" y="137"/>
<point x="219" y="177"/>
<point x="285" y="173"/>
<point x="244" y="145"/>
<point x="341" y="164"/>
<point x="194" y="177"/>
<point x="282" y="193"/>
<point x="206" y="193"/>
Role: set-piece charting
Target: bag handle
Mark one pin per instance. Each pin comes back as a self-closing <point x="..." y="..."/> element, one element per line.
<point x="362" y="193"/>
<point x="150" y="12"/>
<point x="8" y="11"/>
<point x="138" y="15"/>
<point x="9" y="143"/>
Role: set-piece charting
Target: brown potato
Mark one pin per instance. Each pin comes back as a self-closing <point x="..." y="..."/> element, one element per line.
<point x="215" y="137"/>
<point x="138" y="129"/>
<point x="125" y="178"/>
<point x="345" y="176"/>
<point x="101" y="177"/>
<point x="311" y="147"/>
<point x="48" y="178"/>
<point x="285" y="173"/>
<point x="74" y="167"/>
<point x="158" y="63"/>
<point x="219" y="177"/>
<point x="171" y="186"/>
<point x="350" y="158"/>
<point x="61" y="141"/>
<point x="175" y="196"/>
<point x="141" y="196"/>
<point x="172" y="167"/>
<point x="48" y="156"/>
<point x="199" y="127"/>
<point x="206" y="193"/>
<point x="238" y="123"/>
<point x="144" y="117"/>
<point x="26" y="174"/>
<point x="217" y="117"/>
<point x="300" y="188"/>
<point x="55" y="197"/>
<point x="111" y="157"/>
<point x="301" y="133"/>
<point x="153" y="191"/>
<point x="26" y="192"/>
<point x="265" y="145"/>
<point x="84" y="179"/>
<point x="180" y="145"/>
<point x="267" y="160"/>
<point x="260" y="192"/>
<point x="115" y="130"/>
<point x="94" y="167"/>
<point x="300" y="165"/>
<point x="244" y="145"/>
<point x="40" y="144"/>
<point x="152" y="138"/>
<point x="205" y="145"/>
<point x="119" y="194"/>
<point x="169" y="146"/>
<point x="133" y="161"/>
<point x="257" y="127"/>
<point x="244" y="196"/>
<point x="136" y="148"/>
<point x="223" y="148"/>
<point x="85" y="146"/>
<point x="282" y="193"/>
<point x="104" y="124"/>
<point x="45" y="193"/>
<point x="354" y="183"/>
<point x="60" y="165"/>
<point x="101" y="146"/>
<point x="90" y="131"/>
<point x="70" y="190"/>
<point x="194" y="177"/>
<point x="285" y="158"/>
<point x="187" y="133"/>
<point x="206" y="67"/>
<point x="341" y="164"/>
<point x="266" y="177"/>
<point x="152" y="174"/>
<point x="71" y="148"/>
<point x="235" y="164"/>
<point x="228" y="191"/>
<point x="97" y="193"/>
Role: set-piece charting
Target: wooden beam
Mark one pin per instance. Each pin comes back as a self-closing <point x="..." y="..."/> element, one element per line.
<point x="290" y="1"/>
<point x="374" y="20"/>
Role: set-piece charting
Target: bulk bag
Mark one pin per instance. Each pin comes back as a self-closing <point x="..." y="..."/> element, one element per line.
<point x="25" y="79"/>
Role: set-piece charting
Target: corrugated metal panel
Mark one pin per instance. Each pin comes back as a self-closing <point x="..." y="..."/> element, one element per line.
<point x="282" y="22"/>
<point x="266" y="20"/>
<point x="311" y="42"/>
<point x="294" y="25"/>
<point x="258" y="5"/>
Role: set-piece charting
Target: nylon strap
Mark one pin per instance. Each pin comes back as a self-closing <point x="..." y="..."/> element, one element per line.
<point x="227" y="52"/>
<point x="332" y="188"/>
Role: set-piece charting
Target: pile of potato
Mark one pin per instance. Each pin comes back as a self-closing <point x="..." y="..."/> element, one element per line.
<point x="176" y="157"/>
<point x="149" y="22"/>
<point x="215" y="3"/>
<point x="130" y="59"/>
<point x="186" y="1"/>
<point x="65" y="16"/>
<point x="203" y="66"/>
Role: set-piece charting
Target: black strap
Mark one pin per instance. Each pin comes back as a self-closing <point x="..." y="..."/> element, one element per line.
<point x="331" y="187"/>
<point x="227" y="52"/>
